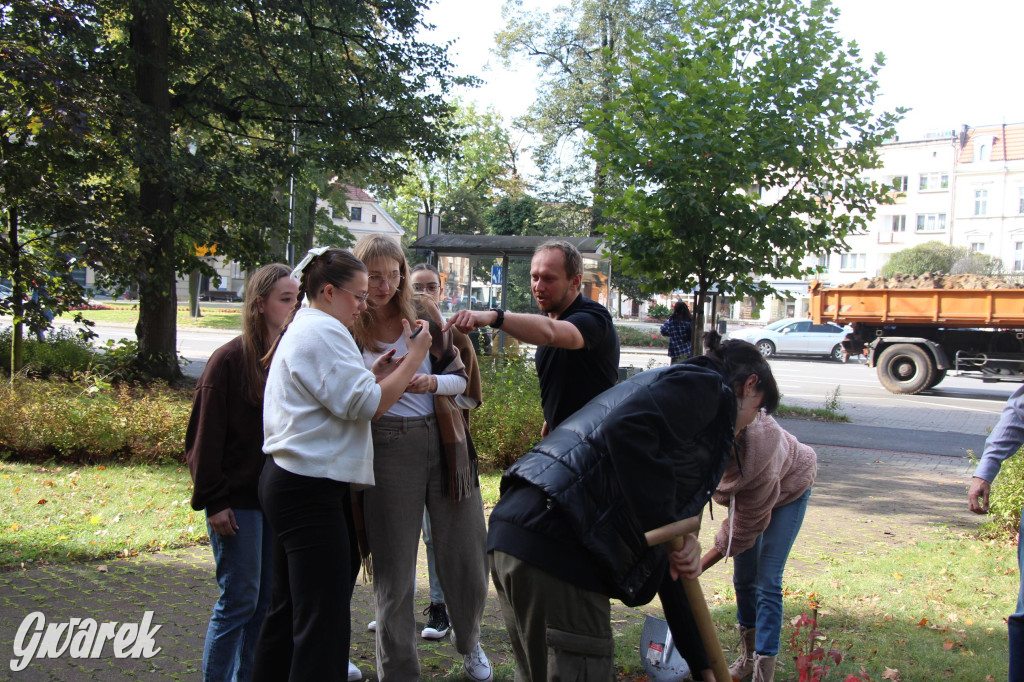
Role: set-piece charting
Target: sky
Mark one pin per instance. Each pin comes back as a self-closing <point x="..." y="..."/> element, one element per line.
<point x="950" y="63"/>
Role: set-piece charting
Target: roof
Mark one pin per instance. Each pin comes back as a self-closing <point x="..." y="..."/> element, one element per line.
<point x="357" y="193"/>
<point x="495" y="245"/>
<point x="1008" y="138"/>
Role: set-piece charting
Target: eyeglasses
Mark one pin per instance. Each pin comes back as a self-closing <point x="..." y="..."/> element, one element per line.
<point x="431" y="288"/>
<point x="360" y="298"/>
<point x="392" y="280"/>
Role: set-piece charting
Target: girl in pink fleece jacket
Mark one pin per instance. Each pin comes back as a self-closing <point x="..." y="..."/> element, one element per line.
<point x="766" y="487"/>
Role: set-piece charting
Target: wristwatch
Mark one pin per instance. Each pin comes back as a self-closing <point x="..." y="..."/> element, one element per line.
<point x="501" y="318"/>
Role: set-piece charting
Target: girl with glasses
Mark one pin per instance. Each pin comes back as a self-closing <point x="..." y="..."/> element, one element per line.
<point x="318" y="404"/>
<point x="423" y="456"/>
<point x="426" y="284"/>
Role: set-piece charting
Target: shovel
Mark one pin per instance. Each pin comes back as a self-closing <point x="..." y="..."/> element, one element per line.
<point x="672" y="534"/>
<point x="658" y="653"/>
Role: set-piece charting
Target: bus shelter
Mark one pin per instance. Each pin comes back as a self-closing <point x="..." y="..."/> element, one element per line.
<point x="475" y="269"/>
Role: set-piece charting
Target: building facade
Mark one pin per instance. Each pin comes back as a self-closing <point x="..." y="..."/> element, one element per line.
<point x="963" y="188"/>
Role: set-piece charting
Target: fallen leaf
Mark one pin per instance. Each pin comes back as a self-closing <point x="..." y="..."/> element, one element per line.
<point x="898" y="576"/>
<point x="41" y="502"/>
<point x="947" y="645"/>
<point x="891" y="674"/>
<point x="102" y="568"/>
<point x="922" y="622"/>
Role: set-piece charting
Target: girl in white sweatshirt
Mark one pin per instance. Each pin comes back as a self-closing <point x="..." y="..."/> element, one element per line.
<point x="318" y="404"/>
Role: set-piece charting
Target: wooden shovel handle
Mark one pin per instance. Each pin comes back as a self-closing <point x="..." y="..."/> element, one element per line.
<point x="705" y="626"/>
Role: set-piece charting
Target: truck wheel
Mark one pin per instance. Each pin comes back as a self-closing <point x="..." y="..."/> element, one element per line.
<point x="837" y="353"/>
<point x="936" y="378"/>
<point x="766" y="347"/>
<point x="905" y="368"/>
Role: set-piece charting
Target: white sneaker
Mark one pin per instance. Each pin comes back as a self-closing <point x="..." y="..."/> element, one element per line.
<point x="372" y="626"/>
<point x="354" y="673"/>
<point x="477" y="666"/>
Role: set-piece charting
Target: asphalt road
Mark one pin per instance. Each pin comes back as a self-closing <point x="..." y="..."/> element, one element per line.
<point x="948" y="420"/>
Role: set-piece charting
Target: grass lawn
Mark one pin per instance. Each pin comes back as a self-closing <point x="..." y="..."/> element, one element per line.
<point x="212" y="318"/>
<point x="56" y="514"/>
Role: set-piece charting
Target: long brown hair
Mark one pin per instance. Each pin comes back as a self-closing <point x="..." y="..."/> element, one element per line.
<point x="376" y="247"/>
<point x="255" y="337"/>
<point x="334" y="266"/>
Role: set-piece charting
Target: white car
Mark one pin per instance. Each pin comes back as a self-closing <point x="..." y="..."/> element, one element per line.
<point x="796" y="336"/>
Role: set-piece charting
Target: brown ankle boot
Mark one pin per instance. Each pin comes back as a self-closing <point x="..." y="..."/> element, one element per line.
<point x="764" y="668"/>
<point x="744" y="665"/>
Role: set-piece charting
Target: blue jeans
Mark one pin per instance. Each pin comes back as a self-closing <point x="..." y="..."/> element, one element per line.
<point x="436" y="593"/>
<point x="244" y="573"/>
<point x="757" y="576"/>
<point x="1015" y="623"/>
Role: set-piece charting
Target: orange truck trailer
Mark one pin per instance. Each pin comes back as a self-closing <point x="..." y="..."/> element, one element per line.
<point x="913" y="337"/>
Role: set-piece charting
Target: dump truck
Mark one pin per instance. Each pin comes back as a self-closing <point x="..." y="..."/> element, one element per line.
<point x="913" y="337"/>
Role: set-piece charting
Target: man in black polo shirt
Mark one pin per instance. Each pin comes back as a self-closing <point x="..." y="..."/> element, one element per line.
<point x="577" y="347"/>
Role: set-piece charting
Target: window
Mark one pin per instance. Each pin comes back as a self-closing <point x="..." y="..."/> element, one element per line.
<point x="977" y="247"/>
<point x="801" y="327"/>
<point x="983" y="147"/>
<point x="899" y="223"/>
<point x="980" y="201"/>
<point x="934" y="182"/>
<point x="853" y="261"/>
<point x="931" y="222"/>
<point x="1020" y="206"/>
<point x="900" y="183"/>
<point x="373" y="217"/>
<point x="823" y="260"/>
<point x="356" y="213"/>
<point x="1018" y="256"/>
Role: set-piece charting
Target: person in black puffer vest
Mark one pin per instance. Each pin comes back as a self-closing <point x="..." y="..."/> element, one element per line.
<point x="568" y="532"/>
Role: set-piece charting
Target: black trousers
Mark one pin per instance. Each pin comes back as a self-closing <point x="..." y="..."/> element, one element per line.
<point x="682" y="624"/>
<point x="307" y="631"/>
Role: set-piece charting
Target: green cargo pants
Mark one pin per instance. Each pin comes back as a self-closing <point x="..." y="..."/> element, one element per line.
<point x="559" y="632"/>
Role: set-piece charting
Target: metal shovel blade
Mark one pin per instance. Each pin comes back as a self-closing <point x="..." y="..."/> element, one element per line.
<point x="658" y="653"/>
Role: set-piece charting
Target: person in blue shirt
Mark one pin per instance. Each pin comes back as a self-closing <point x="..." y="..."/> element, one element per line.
<point x="679" y="330"/>
<point x="1004" y="441"/>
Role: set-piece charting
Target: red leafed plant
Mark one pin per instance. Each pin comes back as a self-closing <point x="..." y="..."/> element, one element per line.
<point x="813" y="661"/>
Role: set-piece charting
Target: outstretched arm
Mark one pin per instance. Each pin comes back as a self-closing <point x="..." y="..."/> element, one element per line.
<point x="539" y="330"/>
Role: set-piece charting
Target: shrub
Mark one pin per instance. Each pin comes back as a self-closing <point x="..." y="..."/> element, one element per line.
<point x="642" y="338"/>
<point x="1007" y="497"/>
<point x="62" y="354"/>
<point x="659" y="312"/>
<point x="509" y="421"/>
<point x="76" y="423"/>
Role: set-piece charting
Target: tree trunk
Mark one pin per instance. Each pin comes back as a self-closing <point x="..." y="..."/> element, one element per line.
<point x="698" y="322"/>
<point x="158" y="301"/>
<point x="17" y="293"/>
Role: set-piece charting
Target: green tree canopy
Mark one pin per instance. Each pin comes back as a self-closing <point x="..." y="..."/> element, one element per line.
<point x="463" y="182"/>
<point x="576" y="47"/>
<point x="229" y="102"/>
<point x="934" y="256"/>
<point x="742" y="140"/>
<point x="57" y="126"/>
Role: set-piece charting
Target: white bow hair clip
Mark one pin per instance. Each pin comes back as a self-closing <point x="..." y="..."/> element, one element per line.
<point x="310" y="255"/>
